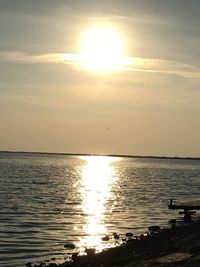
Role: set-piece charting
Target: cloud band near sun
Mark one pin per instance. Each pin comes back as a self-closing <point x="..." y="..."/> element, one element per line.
<point x="134" y="64"/>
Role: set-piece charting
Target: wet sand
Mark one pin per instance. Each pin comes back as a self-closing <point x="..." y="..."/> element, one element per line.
<point x="177" y="246"/>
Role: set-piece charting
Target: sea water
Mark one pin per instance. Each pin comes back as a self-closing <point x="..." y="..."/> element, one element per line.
<point x="50" y="201"/>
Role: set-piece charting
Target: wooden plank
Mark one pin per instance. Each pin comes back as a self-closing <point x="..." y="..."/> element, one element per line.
<point x="185" y="205"/>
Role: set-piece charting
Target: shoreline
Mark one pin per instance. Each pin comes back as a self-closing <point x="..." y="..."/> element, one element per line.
<point x="169" y="247"/>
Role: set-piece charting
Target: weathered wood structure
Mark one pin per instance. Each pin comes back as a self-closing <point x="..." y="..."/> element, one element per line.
<point x="188" y="207"/>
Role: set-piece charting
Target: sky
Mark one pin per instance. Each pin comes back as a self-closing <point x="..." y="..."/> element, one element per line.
<point x="149" y="106"/>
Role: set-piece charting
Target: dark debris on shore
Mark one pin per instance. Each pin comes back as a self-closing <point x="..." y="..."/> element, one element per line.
<point x="176" y="246"/>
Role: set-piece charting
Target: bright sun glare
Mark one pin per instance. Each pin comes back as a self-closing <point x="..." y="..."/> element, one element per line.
<point x="97" y="180"/>
<point x="101" y="49"/>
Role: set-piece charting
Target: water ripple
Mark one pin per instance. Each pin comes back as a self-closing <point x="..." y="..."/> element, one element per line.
<point x="49" y="200"/>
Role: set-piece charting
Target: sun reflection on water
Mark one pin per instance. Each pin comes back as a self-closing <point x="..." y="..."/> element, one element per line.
<point x="97" y="180"/>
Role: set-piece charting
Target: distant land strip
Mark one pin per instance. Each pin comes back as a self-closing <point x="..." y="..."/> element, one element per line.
<point x="107" y="155"/>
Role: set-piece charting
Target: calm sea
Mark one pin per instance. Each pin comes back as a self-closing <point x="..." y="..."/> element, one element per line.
<point x="48" y="201"/>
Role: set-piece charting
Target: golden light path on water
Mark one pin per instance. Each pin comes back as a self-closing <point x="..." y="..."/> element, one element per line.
<point x="98" y="177"/>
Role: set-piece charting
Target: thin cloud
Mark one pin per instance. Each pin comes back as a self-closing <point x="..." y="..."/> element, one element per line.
<point x="163" y="67"/>
<point x="130" y="64"/>
<point x="38" y="58"/>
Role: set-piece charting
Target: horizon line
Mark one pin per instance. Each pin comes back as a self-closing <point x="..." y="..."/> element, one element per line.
<point x="98" y="154"/>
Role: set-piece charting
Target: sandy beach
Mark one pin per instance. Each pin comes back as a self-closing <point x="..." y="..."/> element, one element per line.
<point x="176" y="246"/>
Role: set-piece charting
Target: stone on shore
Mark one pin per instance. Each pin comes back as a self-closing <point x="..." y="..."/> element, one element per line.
<point x="177" y="246"/>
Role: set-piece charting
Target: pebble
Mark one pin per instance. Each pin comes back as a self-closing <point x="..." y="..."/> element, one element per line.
<point x="74" y="256"/>
<point x="105" y="238"/>
<point x="129" y="234"/>
<point x="154" y="228"/>
<point x="69" y="245"/>
<point x="90" y="251"/>
<point x="116" y="236"/>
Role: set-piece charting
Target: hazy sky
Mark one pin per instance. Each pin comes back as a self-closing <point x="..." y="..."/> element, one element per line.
<point x="48" y="103"/>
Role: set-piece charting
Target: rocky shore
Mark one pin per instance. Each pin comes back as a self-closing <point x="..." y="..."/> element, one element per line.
<point x="176" y="246"/>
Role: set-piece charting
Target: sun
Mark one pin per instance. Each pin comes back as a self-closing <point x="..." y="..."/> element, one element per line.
<point x="101" y="49"/>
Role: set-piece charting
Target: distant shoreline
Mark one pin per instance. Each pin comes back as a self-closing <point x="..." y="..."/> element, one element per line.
<point x="107" y="155"/>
